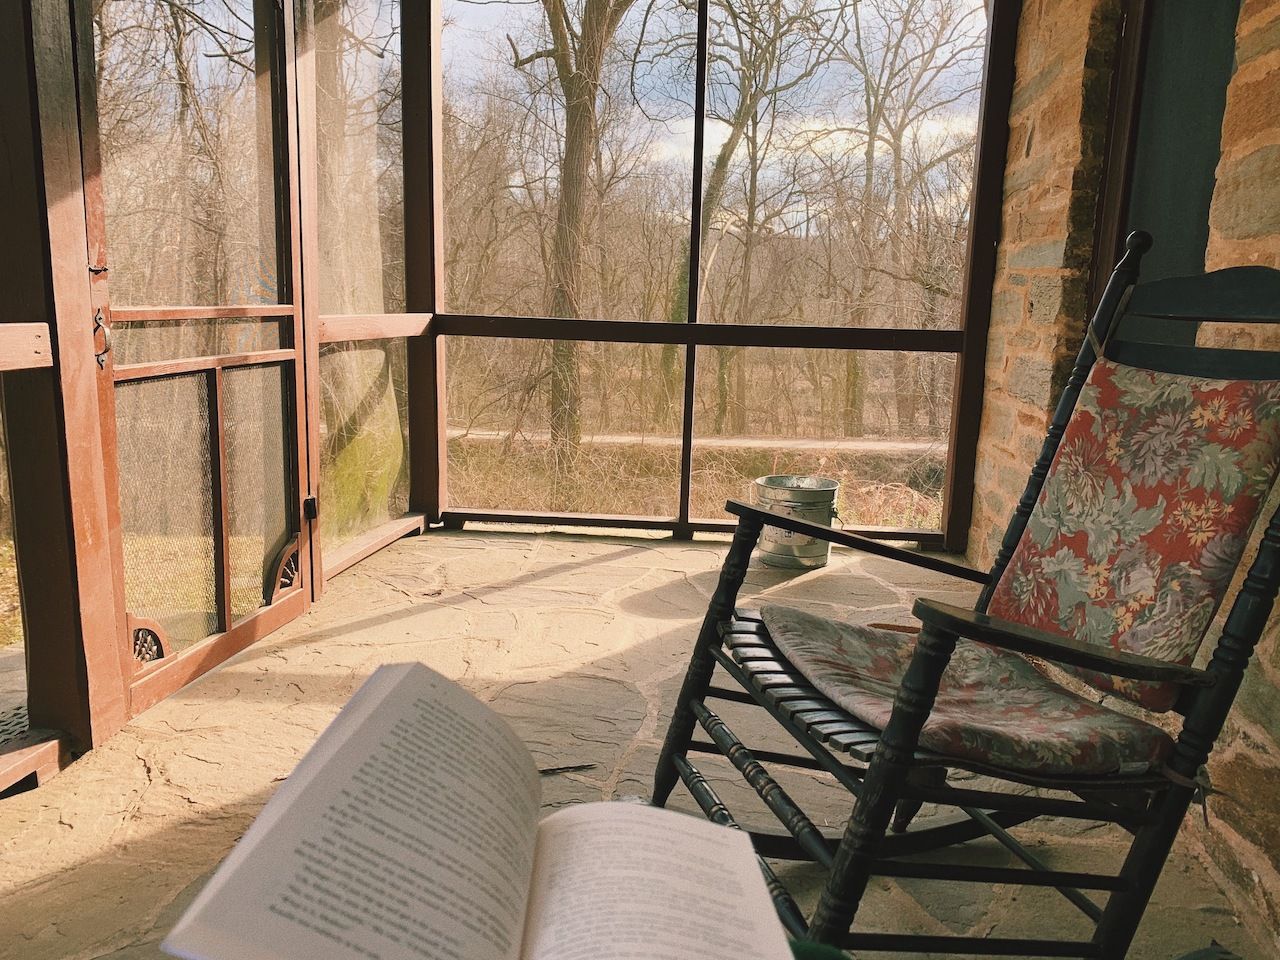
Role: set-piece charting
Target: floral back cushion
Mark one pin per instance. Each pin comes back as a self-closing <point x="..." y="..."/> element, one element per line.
<point x="1144" y="515"/>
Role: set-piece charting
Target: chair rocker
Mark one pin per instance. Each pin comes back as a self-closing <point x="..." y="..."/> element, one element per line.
<point x="1120" y="552"/>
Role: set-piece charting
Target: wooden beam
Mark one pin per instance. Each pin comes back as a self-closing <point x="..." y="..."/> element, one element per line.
<point x="250" y="310"/>
<point x="339" y="328"/>
<point x="700" y="334"/>
<point x="987" y="212"/>
<point x="371" y="541"/>
<point x="74" y="623"/>
<point x="24" y="346"/>
<point x="166" y="368"/>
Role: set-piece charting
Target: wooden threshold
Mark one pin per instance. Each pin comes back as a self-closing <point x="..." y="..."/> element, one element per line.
<point x="163" y="677"/>
<point x="370" y="542"/>
<point x="37" y="753"/>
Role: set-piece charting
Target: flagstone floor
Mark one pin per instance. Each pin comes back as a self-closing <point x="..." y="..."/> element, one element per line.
<point x="581" y="642"/>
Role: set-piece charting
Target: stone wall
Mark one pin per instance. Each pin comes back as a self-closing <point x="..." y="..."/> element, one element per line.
<point x="1057" y="132"/>
<point x="1057" y="124"/>
<point x="1244" y="221"/>
<point x="1243" y="841"/>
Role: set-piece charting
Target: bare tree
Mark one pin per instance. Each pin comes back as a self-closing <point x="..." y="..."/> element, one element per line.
<point x="579" y="42"/>
<point x="758" y="51"/>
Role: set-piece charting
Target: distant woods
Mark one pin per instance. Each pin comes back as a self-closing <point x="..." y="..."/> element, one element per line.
<point x="835" y="191"/>
<point x="838" y="156"/>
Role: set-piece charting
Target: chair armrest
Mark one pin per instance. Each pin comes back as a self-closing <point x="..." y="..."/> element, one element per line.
<point x="853" y="541"/>
<point x="1049" y="646"/>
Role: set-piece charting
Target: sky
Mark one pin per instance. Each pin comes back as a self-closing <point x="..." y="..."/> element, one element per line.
<point x="475" y="41"/>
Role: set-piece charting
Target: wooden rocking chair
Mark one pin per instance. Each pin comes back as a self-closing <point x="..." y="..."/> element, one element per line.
<point x="1119" y="554"/>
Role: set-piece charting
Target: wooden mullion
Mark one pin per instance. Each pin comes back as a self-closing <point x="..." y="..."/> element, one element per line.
<point x="144" y="314"/>
<point x="683" y="530"/>
<point x="294" y="399"/>
<point x="164" y="368"/>
<point x="700" y="334"/>
<point x="986" y="206"/>
<point x="274" y="116"/>
<point x="422" y="111"/>
<point x="309" y="261"/>
<point x="221" y="520"/>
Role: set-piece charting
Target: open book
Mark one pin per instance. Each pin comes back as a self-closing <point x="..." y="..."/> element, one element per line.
<point x="410" y="832"/>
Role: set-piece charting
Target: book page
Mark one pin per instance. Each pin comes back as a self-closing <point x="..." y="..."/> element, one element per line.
<point x="617" y="881"/>
<point x="406" y="833"/>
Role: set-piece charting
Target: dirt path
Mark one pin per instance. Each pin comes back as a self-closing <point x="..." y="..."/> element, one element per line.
<point x="917" y="448"/>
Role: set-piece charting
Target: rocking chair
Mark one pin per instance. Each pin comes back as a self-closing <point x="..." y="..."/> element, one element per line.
<point x="1118" y="556"/>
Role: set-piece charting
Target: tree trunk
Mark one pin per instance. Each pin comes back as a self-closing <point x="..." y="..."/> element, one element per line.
<point x="904" y="380"/>
<point x="678" y="307"/>
<point x="568" y="259"/>
<point x="854" y="395"/>
<point x="723" y="356"/>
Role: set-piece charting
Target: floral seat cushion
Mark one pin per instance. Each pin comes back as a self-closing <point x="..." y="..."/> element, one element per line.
<point x="993" y="707"/>
<point x="1144" y="515"/>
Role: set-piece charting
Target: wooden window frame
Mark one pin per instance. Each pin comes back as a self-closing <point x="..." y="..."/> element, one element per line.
<point x="424" y="280"/>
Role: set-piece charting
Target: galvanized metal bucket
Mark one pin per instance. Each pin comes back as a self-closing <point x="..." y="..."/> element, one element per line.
<point x="807" y="498"/>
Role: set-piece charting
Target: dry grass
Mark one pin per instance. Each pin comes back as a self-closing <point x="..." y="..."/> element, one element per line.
<point x="10" y="603"/>
<point x="643" y="480"/>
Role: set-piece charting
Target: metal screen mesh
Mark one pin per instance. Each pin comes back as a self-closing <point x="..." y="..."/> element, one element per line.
<point x="144" y="342"/>
<point x="188" y="165"/>
<point x="10" y="598"/>
<point x="363" y="437"/>
<point x="166" y="504"/>
<point x="259" y="478"/>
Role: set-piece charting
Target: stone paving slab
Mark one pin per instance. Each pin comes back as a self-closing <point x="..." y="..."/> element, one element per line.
<point x="580" y="641"/>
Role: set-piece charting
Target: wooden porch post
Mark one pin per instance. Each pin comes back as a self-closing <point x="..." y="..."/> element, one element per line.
<point x="424" y="261"/>
<point x="74" y="619"/>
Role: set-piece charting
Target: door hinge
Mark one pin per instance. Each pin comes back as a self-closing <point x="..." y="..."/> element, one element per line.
<point x="311" y="508"/>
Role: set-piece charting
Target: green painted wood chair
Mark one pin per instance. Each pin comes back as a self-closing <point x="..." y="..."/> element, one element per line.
<point x="1119" y="555"/>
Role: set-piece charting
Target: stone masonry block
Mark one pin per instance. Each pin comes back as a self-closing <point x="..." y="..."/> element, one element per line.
<point x="1262" y="36"/>
<point x="1045" y="300"/>
<point x="1246" y="201"/>
<point x="1046" y="255"/>
<point x="1252" y="110"/>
